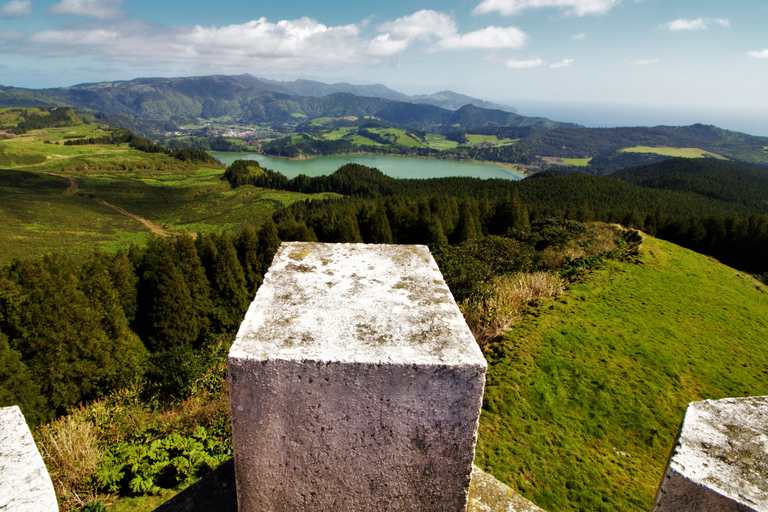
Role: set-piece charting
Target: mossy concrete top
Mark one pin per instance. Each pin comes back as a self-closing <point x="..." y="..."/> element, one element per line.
<point x="723" y="447"/>
<point x="358" y="303"/>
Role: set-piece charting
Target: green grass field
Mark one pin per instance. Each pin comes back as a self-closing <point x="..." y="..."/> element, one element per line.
<point x="584" y="397"/>
<point x="577" y="162"/>
<point x="676" y="152"/>
<point x="42" y="215"/>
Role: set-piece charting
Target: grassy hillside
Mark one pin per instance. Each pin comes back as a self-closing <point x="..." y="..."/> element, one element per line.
<point x="76" y="197"/>
<point x="585" y="395"/>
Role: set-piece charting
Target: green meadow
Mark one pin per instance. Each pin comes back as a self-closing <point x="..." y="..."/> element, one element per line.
<point x="44" y="212"/>
<point x="584" y="396"/>
<point x="674" y="152"/>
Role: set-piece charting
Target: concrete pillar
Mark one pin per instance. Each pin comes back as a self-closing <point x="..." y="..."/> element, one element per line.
<point x="720" y="460"/>
<point x="24" y="481"/>
<point x="355" y="384"/>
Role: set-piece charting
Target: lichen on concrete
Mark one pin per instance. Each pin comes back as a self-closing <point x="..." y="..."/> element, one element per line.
<point x="24" y="481"/>
<point x="720" y="460"/>
<point x="486" y="494"/>
<point x="355" y="384"/>
<point x="345" y="295"/>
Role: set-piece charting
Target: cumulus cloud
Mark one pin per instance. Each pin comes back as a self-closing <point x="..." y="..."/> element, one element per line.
<point x="525" y="64"/>
<point x="101" y="9"/>
<point x="16" y="9"/>
<point x="574" y="7"/>
<point x="562" y="64"/>
<point x="441" y="30"/>
<point x="286" y="44"/>
<point x="537" y="63"/>
<point x="421" y="25"/>
<point x="486" y="39"/>
<point x="697" y="24"/>
<point x="762" y="54"/>
<point x="294" y="43"/>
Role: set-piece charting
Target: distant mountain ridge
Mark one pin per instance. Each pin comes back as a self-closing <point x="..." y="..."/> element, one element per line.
<point x="247" y="99"/>
<point x="445" y="99"/>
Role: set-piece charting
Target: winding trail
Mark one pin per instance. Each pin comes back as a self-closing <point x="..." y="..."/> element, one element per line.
<point x="158" y="230"/>
<point x="72" y="188"/>
<point x="74" y="185"/>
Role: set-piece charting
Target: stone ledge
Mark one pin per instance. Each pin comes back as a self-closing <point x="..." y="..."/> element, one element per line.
<point x="354" y="383"/>
<point x="720" y="460"/>
<point x="24" y="481"/>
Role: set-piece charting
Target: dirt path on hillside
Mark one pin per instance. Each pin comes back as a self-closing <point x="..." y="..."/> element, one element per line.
<point x="72" y="188"/>
<point x="148" y="223"/>
<point x="73" y="183"/>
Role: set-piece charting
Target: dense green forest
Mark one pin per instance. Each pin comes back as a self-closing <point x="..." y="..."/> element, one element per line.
<point x="120" y="316"/>
<point x="713" y="207"/>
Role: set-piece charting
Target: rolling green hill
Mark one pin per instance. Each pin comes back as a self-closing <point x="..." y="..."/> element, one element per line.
<point x="585" y="395"/>
<point x="74" y="198"/>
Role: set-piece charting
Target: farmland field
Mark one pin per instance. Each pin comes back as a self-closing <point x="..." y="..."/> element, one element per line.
<point x="674" y="152"/>
<point x="62" y="197"/>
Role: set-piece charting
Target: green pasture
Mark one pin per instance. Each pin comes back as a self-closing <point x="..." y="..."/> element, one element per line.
<point x="38" y="218"/>
<point x="674" y="152"/>
<point x="577" y="162"/>
<point x="176" y="196"/>
<point x="480" y="139"/>
<point x="439" y="142"/>
<point x="12" y="116"/>
<point x="585" y="395"/>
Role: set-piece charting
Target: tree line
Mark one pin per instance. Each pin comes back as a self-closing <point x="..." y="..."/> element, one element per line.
<point x="715" y="208"/>
<point x="72" y="330"/>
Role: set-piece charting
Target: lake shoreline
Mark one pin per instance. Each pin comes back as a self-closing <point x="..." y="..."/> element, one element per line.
<point x="407" y="166"/>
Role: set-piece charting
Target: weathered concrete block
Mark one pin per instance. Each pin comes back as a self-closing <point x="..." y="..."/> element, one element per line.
<point x="24" y="481"/>
<point x="486" y="494"/>
<point x="720" y="460"/>
<point x="355" y="384"/>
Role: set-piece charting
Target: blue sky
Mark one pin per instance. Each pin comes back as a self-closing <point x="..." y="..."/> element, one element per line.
<point x="597" y="62"/>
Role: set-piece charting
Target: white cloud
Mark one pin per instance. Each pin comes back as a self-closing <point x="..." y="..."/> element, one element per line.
<point x="576" y="7"/>
<point x="525" y="64"/>
<point x="697" y="24"/>
<point x="762" y="54"/>
<point x="16" y="9"/>
<point x="287" y="44"/>
<point x="421" y="25"/>
<point x="579" y="37"/>
<point x="487" y="38"/>
<point x="645" y="62"/>
<point x="101" y="9"/>
<point x="562" y="64"/>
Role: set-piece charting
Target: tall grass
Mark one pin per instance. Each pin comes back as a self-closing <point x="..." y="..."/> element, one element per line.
<point x="500" y="302"/>
<point x="71" y="451"/>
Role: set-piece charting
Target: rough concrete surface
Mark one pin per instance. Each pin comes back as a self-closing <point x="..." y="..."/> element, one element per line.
<point x="24" y="481"/>
<point x="720" y="460"/>
<point x="355" y="384"/>
<point x="486" y="494"/>
<point x="215" y="492"/>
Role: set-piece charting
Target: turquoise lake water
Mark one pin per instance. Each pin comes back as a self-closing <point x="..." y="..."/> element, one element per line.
<point x="394" y="166"/>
